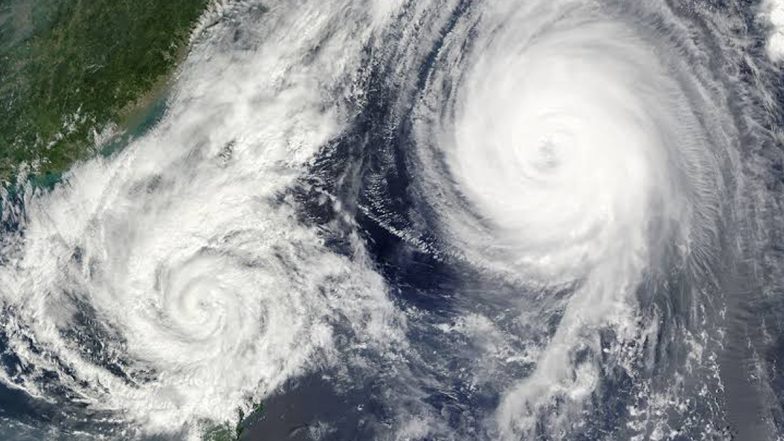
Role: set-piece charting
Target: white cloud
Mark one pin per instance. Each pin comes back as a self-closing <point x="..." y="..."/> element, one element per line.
<point x="773" y="13"/>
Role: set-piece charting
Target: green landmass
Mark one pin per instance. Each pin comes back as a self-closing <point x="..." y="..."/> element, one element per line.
<point x="233" y="432"/>
<point x="70" y="67"/>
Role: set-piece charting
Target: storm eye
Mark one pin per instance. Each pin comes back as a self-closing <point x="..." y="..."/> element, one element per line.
<point x="374" y="220"/>
<point x="547" y="155"/>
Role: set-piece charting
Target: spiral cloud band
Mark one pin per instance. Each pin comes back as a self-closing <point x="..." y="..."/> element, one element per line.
<point x="581" y="156"/>
<point x="580" y="148"/>
<point x="171" y="283"/>
<point x="500" y="219"/>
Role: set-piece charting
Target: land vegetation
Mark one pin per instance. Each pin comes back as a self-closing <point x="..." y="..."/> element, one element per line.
<point x="71" y="69"/>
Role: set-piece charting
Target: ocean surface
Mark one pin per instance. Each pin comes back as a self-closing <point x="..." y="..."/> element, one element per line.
<point x="420" y="220"/>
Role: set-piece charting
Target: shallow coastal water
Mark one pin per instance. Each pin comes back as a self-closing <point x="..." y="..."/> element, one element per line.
<point x="420" y="220"/>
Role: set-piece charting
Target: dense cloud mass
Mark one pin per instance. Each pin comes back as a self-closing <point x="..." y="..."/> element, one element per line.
<point x="499" y="219"/>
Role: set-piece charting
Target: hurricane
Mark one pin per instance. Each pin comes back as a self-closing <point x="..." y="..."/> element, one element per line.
<point x="421" y="220"/>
